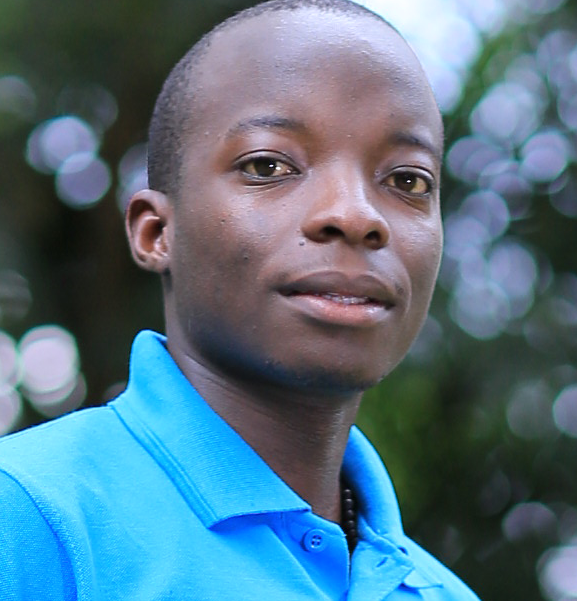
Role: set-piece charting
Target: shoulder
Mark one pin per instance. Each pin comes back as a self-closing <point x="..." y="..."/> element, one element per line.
<point x="63" y="441"/>
<point x="28" y="545"/>
<point x="57" y="445"/>
<point x="54" y="482"/>
<point x="63" y="463"/>
<point x="57" y="430"/>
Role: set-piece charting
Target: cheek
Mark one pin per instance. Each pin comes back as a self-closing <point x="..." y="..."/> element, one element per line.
<point x="218" y="257"/>
<point x="423" y="258"/>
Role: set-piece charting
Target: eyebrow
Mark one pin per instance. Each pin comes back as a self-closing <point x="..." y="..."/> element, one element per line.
<point x="278" y="122"/>
<point x="406" y="139"/>
<point x="266" y="122"/>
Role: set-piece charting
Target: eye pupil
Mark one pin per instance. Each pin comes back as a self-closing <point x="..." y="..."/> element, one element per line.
<point x="405" y="181"/>
<point x="265" y="167"/>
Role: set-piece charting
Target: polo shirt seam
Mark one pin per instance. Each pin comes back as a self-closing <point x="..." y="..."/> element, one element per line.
<point x="48" y="523"/>
<point x="179" y="479"/>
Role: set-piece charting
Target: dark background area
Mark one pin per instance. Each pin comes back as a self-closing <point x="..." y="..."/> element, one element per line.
<point x="478" y="426"/>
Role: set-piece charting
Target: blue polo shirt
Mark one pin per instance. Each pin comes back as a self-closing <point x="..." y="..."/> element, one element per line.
<point x="155" y="497"/>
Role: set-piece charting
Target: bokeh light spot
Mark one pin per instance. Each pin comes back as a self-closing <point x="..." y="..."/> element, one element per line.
<point x="565" y="411"/>
<point x="82" y="180"/>
<point x="480" y="308"/>
<point x="54" y="403"/>
<point x="527" y="520"/>
<point x="555" y="47"/>
<point x="471" y="156"/>
<point x="463" y="232"/>
<point x="545" y="156"/>
<point x="17" y="97"/>
<point x="52" y="142"/>
<point x="529" y="411"/>
<point x="488" y="208"/>
<point x="505" y="179"/>
<point x="515" y="270"/>
<point x="508" y="113"/>
<point x="557" y="570"/>
<point x="49" y="358"/>
<point x="565" y="200"/>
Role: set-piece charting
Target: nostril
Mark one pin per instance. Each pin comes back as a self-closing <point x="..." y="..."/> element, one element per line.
<point x="373" y="236"/>
<point x="329" y="232"/>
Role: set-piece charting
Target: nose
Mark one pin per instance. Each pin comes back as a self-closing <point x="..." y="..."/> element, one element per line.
<point x="343" y="211"/>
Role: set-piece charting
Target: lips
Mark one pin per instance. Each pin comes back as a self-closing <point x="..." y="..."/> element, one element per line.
<point x="342" y="288"/>
<point x="337" y="299"/>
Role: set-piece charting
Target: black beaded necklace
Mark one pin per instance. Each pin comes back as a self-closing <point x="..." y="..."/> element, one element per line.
<point x="349" y="516"/>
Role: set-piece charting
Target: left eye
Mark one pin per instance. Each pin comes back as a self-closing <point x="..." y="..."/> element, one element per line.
<point x="409" y="182"/>
<point x="267" y="167"/>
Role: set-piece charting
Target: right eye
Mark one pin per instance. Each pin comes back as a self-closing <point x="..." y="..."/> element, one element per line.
<point x="266" y="168"/>
<point x="410" y="182"/>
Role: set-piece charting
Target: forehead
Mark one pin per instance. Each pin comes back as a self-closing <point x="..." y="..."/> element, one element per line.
<point x="284" y="59"/>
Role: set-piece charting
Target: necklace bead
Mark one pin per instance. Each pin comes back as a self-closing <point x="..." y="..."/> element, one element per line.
<point x="349" y="516"/>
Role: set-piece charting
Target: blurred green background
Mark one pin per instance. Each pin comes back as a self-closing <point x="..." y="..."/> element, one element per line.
<point x="478" y="426"/>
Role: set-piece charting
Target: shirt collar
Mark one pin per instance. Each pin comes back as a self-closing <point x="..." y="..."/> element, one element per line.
<point x="216" y="471"/>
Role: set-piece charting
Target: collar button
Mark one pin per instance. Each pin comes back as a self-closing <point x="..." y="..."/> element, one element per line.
<point x="315" y="540"/>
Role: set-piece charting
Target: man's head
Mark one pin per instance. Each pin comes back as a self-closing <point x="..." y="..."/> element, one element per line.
<point x="297" y="227"/>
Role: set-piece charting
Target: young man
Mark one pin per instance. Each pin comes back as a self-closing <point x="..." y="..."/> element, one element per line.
<point x="293" y="216"/>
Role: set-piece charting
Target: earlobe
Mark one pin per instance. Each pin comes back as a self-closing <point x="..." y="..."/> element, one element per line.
<point x="148" y="224"/>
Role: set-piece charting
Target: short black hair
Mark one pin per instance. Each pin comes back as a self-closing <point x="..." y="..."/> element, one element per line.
<point x="171" y="121"/>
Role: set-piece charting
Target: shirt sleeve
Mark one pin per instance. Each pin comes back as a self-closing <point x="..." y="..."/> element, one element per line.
<point x="33" y="562"/>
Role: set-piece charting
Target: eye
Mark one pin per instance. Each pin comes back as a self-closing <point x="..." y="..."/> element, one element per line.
<point x="410" y="183"/>
<point x="266" y="167"/>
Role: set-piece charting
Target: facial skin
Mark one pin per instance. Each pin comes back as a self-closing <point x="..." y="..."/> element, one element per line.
<point x="305" y="244"/>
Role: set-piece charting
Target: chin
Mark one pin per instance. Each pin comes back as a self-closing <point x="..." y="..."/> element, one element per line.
<point x="323" y="380"/>
<point x="322" y="372"/>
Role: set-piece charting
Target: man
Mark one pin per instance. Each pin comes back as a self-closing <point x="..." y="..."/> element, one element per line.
<point x="293" y="216"/>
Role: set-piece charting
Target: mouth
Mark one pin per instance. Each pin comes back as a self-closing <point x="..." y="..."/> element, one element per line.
<point x="343" y="288"/>
<point x="348" y="300"/>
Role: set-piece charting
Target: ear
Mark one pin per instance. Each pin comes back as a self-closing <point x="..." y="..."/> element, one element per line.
<point x="148" y="222"/>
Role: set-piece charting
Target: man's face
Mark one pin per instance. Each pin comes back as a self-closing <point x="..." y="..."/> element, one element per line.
<point x="307" y="235"/>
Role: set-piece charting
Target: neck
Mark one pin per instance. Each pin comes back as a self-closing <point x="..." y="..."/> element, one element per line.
<point x="301" y="437"/>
